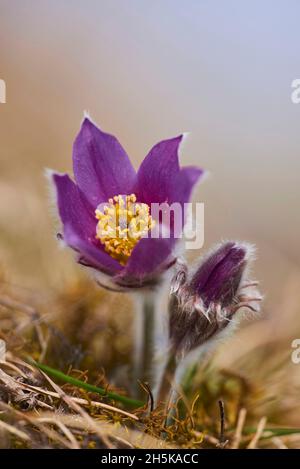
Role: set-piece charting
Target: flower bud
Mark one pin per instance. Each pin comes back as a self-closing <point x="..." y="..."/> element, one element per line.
<point x="203" y="303"/>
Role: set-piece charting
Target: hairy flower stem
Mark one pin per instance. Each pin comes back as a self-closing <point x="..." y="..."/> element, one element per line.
<point x="164" y="392"/>
<point x="144" y="340"/>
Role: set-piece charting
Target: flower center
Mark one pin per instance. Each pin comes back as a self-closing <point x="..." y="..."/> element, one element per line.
<point x="122" y="223"/>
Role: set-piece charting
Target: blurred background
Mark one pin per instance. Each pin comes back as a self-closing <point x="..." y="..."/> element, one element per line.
<point x="148" y="70"/>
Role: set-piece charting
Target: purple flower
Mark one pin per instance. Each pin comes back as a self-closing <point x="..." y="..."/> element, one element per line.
<point x="204" y="303"/>
<point x="219" y="276"/>
<point x="107" y="188"/>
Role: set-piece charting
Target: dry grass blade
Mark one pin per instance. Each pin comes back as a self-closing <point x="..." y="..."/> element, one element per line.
<point x="278" y="443"/>
<point x="82" y="401"/>
<point x="15" y="431"/>
<point x="16" y="392"/>
<point x="73" y="405"/>
<point x="239" y="429"/>
<point x="131" y="437"/>
<point x="13" y="367"/>
<point x="33" y="421"/>
<point x="8" y="302"/>
<point x="260" y="428"/>
<point x="56" y="421"/>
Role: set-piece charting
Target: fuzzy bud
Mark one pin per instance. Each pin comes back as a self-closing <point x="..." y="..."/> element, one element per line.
<point x="202" y="304"/>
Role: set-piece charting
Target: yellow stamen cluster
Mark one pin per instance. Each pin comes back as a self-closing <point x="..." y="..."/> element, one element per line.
<point x="122" y="223"/>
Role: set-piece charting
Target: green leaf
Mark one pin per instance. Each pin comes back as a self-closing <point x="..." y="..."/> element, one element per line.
<point x="88" y="387"/>
<point x="274" y="431"/>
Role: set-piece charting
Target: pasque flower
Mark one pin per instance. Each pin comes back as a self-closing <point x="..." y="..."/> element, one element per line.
<point x="107" y="188"/>
<point x="204" y="303"/>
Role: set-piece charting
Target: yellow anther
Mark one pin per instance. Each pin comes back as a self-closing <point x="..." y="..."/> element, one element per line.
<point x="122" y="223"/>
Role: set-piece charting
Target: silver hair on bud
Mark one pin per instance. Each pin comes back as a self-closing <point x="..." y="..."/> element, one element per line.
<point x="205" y="303"/>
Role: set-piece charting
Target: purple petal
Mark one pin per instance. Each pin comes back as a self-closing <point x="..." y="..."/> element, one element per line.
<point x="147" y="258"/>
<point x="157" y="172"/>
<point x="80" y="226"/>
<point x="184" y="183"/>
<point x="101" y="166"/>
<point x="219" y="276"/>
<point x="73" y="209"/>
<point x="172" y="215"/>
<point x="90" y="254"/>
